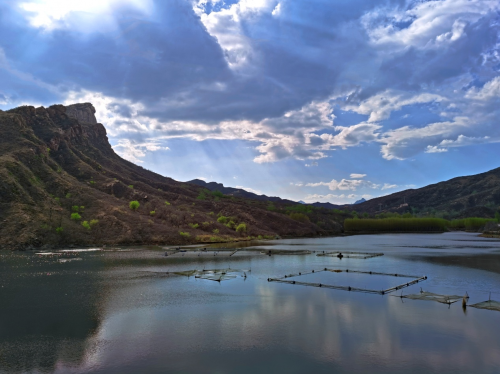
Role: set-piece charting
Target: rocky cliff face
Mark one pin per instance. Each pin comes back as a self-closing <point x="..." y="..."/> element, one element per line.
<point x="82" y="112"/>
<point x="58" y="171"/>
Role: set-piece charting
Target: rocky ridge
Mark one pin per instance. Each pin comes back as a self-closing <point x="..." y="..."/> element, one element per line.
<point x="57" y="161"/>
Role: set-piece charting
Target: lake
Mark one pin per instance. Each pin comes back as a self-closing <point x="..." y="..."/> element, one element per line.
<point x="124" y="311"/>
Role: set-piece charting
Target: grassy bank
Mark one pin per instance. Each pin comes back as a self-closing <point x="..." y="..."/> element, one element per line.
<point x="413" y="224"/>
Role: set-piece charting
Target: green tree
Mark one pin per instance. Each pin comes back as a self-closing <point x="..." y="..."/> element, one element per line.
<point x="76" y="217"/>
<point x="86" y="224"/>
<point x="241" y="228"/>
<point x="134" y="205"/>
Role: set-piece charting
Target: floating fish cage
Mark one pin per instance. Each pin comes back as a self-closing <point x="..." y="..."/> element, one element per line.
<point x="429" y="296"/>
<point x="217" y="275"/>
<point x="488" y="304"/>
<point x="287" y="279"/>
<point x="358" y="255"/>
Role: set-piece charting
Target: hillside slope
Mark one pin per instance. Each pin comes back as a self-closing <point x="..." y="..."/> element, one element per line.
<point x="57" y="161"/>
<point x="474" y="195"/>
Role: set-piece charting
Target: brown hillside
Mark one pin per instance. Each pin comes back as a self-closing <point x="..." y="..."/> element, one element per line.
<point x="474" y="195"/>
<point x="57" y="161"/>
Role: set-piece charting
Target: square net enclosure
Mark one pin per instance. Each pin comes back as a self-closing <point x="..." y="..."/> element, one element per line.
<point x="351" y="280"/>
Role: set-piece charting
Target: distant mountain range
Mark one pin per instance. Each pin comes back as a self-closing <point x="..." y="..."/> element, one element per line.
<point x="362" y="200"/>
<point x="238" y="192"/>
<point x="468" y="196"/>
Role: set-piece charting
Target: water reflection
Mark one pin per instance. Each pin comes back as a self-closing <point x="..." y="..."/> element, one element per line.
<point x="98" y="315"/>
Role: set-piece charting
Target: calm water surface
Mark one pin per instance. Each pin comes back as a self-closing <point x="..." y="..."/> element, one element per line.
<point x="118" y="312"/>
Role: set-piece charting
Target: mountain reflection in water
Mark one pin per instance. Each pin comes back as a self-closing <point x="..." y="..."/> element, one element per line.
<point x="112" y="312"/>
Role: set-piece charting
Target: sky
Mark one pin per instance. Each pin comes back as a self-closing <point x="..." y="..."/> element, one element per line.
<point x="312" y="100"/>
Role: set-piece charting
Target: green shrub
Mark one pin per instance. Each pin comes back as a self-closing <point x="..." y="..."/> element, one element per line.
<point x="472" y="223"/>
<point x="75" y="208"/>
<point x="59" y="230"/>
<point x="152" y="213"/>
<point x="211" y="214"/>
<point x="131" y="186"/>
<point x="241" y="228"/>
<point x="218" y="194"/>
<point x="76" y="217"/>
<point x="92" y="182"/>
<point x="271" y="207"/>
<point x="184" y="234"/>
<point x="86" y="224"/>
<point x="68" y="195"/>
<point x="134" y="205"/>
<point x="167" y="203"/>
<point x="194" y="225"/>
<point x="215" y="231"/>
<point x="202" y="196"/>
<point x="301" y="217"/>
<point x="82" y="207"/>
<point x="301" y="208"/>
<point x="222" y="219"/>
<point x="93" y="222"/>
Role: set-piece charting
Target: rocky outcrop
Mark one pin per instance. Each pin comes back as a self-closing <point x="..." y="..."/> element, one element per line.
<point x="84" y="112"/>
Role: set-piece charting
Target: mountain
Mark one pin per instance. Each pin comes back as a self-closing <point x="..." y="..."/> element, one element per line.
<point x="467" y="196"/>
<point x="327" y="205"/>
<point x="61" y="184"/>
<point x="362" y="200"/>
<point x="237" y="192"/>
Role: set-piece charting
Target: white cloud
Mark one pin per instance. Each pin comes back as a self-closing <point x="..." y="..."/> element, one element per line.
<point x="490" y="91"/>
<point x="357" y="176"/>
<point x="380" y="106"/>
<point x="226" y="26"/>
<point x="134" y="151"/>
<point x="345" y="184"/>
<point x="257" y="192"/>
<point x="311" y="164"/>
<point x="432" y="24"/>
<point x="86" y="16"/>
<point x="388" y="186"/>
<point x="277" y="10"/>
